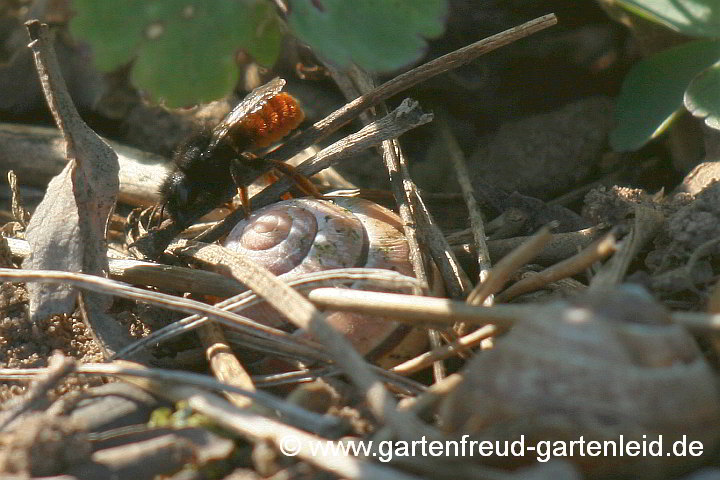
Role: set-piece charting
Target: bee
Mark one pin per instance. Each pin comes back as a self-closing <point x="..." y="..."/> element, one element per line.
<point x="211" y="165"/>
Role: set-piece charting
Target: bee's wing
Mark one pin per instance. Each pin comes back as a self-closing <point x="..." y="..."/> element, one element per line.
<point x="250" y="104"/>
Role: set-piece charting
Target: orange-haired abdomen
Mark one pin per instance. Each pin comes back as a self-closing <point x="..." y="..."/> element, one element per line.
<point x="278" y="117"/>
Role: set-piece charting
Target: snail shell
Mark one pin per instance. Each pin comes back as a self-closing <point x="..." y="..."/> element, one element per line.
<point x="308" y="235"/>
<point x="304" y="235"/>
<point x="611" y="364"/>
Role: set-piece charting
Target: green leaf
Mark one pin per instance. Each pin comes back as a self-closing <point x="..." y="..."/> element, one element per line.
<point x="377" y="35"/>
<point x="653" y="92"/>
<point x="184" y="52"/>
<point x="268" y="31"/>
<point x="697" y="18"/>
<point x="702" y="97"/>
<point x="115" y="36"/>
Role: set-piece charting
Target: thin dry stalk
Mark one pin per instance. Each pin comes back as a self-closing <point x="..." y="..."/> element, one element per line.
<point x="404" y="192"/>
<point x="455" y="279"/>
<point x="400" y="181"/>
<point x="433" y="395"/>
<point x="403" y="188"/>
<point x="302" y="444"/>
<point x="297" y="376"/>
<point x="202" y="282"/>
<point x="140" y="175"/>
<point x="417" y="310"/>
<point x="224" y="364"/>
<point x="567" y="268"/>
<point x="178" y="385"/>
<point x="561" y="247"/>
<point x="648" y="221"/>
<point x="174" y="278"/>
<point x="476" y="221"/>
<point x="446" y="351"/>
<point x="102" y="285"/>
<point x="350" y="111"/>
<point x="282" y="344"/>
<point x="697" y="322"/>
<point x="498" y="276"/>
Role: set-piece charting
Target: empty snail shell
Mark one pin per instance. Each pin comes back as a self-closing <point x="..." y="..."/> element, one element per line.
<point x="309" y="235"/>
<point x="608" y="367"/>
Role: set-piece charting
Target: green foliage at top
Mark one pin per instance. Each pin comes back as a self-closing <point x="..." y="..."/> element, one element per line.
<point x="377" y="35"/>
<point x="696" y="18"/>
<point x="653" y="91"/>
<point x="184" y="51"/>
<point x="657" y="88"/>
<point x="701" y="97"/>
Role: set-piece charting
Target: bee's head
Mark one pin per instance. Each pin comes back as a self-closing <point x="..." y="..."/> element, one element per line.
<point x="191" y="153"/>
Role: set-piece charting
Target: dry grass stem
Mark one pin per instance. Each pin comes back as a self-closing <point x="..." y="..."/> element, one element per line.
<point x="111" y="287"/>
<point x="561" y="247"/>
<point x="302" y="350"/>
<point x="174" y="278"/>
<point x="476" y="221"/>
<point x="567" y="268"/>
<point x="202" y="282"/>
<point x="698" y="322"/>
<point x="463" y="343"/>
<point x="402" y="188"/>
<point x="224" y="364"/>
<point x="648" y="221"/>
<point x="456" y="281"/>
<point x="372" y="278"/>
<point x="349" y="112"/>
<point x="140" y="175"/>
<point x="500" y="274"/>
<point x="414" y="309"/>
<point x="297" y="376"/>
<point x="177" y="385"/>
<point x="257" y="428"/>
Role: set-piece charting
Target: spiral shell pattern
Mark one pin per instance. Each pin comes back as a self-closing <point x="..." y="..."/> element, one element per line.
<point x="308" y="235"/>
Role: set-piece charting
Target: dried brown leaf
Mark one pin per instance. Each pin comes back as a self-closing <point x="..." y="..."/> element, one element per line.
<point x="67" y="231"/>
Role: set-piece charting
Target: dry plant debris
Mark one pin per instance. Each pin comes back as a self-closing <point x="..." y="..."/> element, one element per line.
<point x="521" y="325"/>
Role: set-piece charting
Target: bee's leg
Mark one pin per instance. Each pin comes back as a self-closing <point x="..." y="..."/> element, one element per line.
<point x="301" y="181"/>
<point x="245" y="200"/>
<point x="244" y="171"/>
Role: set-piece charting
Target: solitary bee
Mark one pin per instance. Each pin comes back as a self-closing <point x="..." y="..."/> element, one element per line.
<point x="210" y="165"/>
